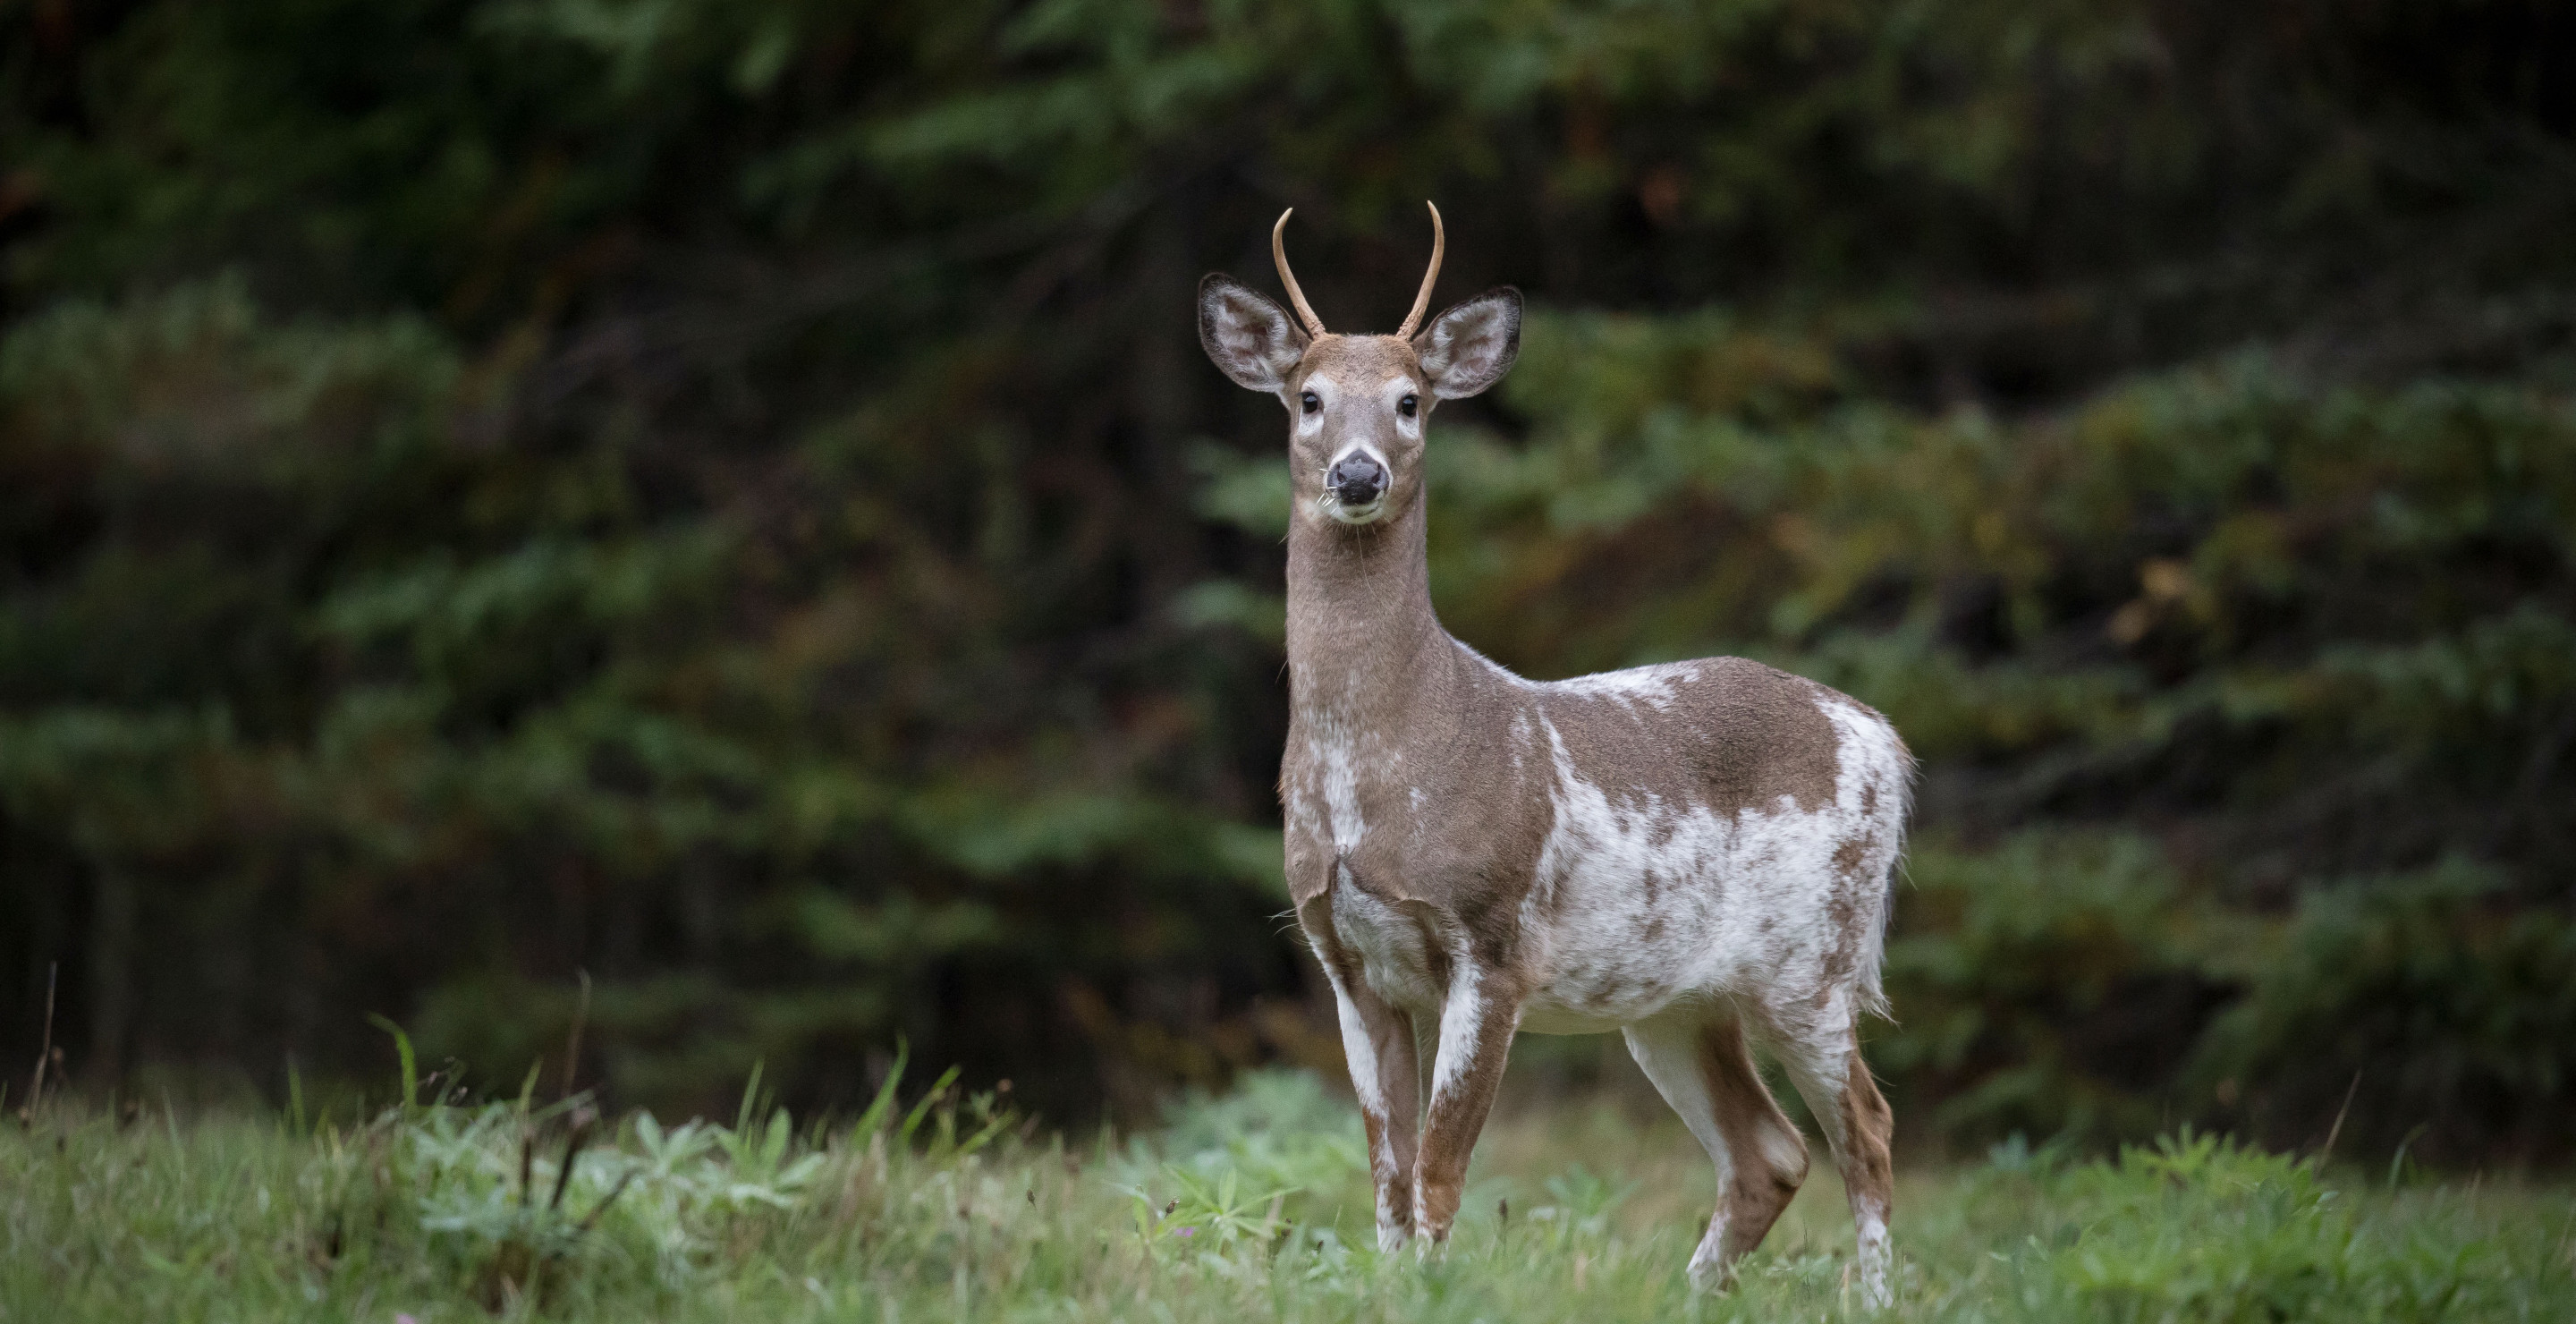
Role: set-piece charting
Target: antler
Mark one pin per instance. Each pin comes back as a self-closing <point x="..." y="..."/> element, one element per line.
<point x="1279" y="254"/>
<point x="1439" y="244"/>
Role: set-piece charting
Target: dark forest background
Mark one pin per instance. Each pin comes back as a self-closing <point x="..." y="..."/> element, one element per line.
<point x="724" y="496"/>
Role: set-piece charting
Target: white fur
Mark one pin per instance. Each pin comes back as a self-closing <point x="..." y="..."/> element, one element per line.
<point x="1360" y="448"/>
<point x="1743" y="899"/>
<point x="1388" y="948"/>
<point x="1872" y="1253"/>
<point x="1669" y="1055"/>
<point x="1651" y="686"/>
<point x="1361" y="1052"/>
<point x="1462" y="1023"/>
<point x="1335" y="749"/>
<point x="1324" y="389"/>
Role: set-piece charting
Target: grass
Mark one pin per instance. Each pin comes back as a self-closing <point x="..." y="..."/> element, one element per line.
<point x="1251" y="1206"/>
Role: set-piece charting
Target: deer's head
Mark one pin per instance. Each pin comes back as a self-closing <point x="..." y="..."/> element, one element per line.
<point x="1357" y="404"/>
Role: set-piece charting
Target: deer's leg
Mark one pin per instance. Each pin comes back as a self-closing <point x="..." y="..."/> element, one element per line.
<point x="1377" y="1040"/>
<point x="1700" y="1065"/>
<point x="1839" y="1090"/>
<point x="1477" y="1021"/>
<point x="1426" y="1053"/>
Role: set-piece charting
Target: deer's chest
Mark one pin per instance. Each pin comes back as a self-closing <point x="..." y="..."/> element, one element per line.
<point x="1365" y="823"/>
<point x="1402" y="954"/>
<point x="1424" y="817"/>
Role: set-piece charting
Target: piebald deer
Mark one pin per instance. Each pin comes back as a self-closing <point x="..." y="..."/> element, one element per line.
<point x="1696" y="853"/>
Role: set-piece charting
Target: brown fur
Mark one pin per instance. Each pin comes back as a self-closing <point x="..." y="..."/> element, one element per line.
<point x="1741" y="737"/>
<point x="1869" y="1176"/>
<point x="1748" y="1117"/>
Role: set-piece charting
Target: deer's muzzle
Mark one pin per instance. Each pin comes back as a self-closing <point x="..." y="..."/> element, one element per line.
<point x="1357" y="479"/>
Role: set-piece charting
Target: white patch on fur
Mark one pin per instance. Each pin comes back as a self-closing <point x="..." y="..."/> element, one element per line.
<point x="1462" y="1023"/>
<point x="1669" y="1055"/>
<point x="1322" y="386"/>
<point x="1819" y="1077"/>
<point x="1332" y="747"/>
<point x="1873" y="1255"/>
<point x="1742" y="903"/>
<point x="1299" y="812"/>
<point x="1873" y="759"/>
<point x="1388" y="946"/>
<point x="1393" y="391"/>
<point x="1362" y="1053"/>
<point x="1653" y="686"/>
<point x="1785" y="1151"/>
<point x="1359" y="448"/>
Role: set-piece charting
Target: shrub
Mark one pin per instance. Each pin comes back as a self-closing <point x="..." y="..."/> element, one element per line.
<point x="2444" y="1012"/>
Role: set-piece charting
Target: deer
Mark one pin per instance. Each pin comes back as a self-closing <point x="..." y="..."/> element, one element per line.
<point x="1697" y="854"/>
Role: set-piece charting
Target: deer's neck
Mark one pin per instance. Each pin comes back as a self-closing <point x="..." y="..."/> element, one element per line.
<point x="1364" y="646"/>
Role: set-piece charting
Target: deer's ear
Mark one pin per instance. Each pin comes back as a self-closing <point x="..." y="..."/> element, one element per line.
<point x="1471" y="346"/>
<point x="1248" y="336"/>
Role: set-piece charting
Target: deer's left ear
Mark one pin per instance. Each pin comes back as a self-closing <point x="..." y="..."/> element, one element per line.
<point x="1471" y="346"/>
<point x="1248" y="336"/>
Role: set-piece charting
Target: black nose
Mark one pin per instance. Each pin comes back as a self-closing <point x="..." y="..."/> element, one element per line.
<point x="1356" y="479"/>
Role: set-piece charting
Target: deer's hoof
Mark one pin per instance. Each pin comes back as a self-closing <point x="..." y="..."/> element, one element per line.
<point x="1711" y="1272"/>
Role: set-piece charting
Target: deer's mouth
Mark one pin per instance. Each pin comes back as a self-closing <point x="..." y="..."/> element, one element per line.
<point x="1343" y="512"/>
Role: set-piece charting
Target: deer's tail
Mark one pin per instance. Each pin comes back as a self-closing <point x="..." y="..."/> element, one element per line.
<point x="1896" y="802"/>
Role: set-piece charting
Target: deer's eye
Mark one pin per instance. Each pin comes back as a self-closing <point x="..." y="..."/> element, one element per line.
<point x="1310" y="401"/>
<point x="1408" y="404"/>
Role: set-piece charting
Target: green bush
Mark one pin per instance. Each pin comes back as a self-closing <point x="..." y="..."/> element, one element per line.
<point x="2442" y="1012"/>
<point x="2053" y="986"/>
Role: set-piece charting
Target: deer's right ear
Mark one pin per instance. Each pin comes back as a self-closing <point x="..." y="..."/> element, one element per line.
<point x="1249" y="337"/>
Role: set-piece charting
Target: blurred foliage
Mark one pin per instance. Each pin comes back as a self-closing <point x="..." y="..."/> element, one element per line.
<point x="726" y="497"/>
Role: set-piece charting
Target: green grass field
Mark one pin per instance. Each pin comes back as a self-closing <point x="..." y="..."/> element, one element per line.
<point x="1248" y="1207"/>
